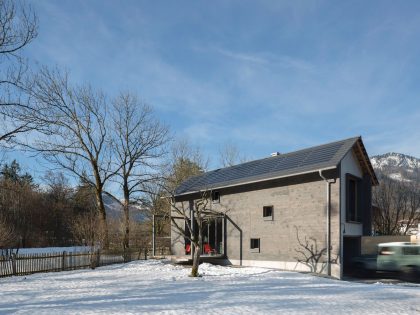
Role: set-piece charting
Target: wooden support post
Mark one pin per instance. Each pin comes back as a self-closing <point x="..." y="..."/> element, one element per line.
<point x="14" y="264"/>
<point x="63" y="261"/>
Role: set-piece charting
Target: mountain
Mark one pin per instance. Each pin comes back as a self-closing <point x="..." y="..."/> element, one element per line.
<point x="114" y="210"/>
<point x="397" y="166"/>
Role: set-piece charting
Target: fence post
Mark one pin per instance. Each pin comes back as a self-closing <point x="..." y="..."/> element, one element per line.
<point x="63" y="261"/>
<point x="145" y="253"/>
<point x="92" y="259"/>
<point x="98" y="258"/>
<point x="14" y="264"/>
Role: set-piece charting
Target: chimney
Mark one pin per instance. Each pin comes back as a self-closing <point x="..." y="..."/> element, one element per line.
<point x="275" y="153"/>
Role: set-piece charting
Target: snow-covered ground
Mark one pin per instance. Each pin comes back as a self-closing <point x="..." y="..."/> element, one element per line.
<point x="46" y="250"/>
<point x="143" y="287"/>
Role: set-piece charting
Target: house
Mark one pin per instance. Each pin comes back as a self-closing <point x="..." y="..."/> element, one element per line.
<point x="304" y="210"/>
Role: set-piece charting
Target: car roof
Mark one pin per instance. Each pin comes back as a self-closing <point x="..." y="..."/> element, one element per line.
<point x="398" y="244"/>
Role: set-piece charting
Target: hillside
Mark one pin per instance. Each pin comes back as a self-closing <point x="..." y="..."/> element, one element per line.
<point x="396" y="165"/>
<point x="115" y="210"/>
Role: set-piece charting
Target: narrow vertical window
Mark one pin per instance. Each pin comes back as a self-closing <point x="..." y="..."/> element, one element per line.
<point x="353" y="213"/>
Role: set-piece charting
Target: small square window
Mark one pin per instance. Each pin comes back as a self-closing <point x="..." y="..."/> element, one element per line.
<point x="268" y="213"/>
<point x="215" y="197"/>
<point x="255" y="245"/>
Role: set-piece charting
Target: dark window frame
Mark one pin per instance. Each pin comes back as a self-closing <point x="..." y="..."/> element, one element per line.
<point x="353" y="199"/>
<point x="255" y="245"/>
<point x="268" y="217"/>
<point x="215" y="196"/>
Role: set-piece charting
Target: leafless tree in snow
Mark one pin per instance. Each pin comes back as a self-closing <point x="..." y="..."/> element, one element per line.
<point x="139" y="141"/>
<point x="78" y="137"/>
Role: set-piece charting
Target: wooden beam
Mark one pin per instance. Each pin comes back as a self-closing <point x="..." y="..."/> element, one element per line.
<point x="365" y="162"/>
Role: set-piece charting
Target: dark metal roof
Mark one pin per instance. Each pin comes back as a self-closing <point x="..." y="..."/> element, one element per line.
<point x="283" y="165"/>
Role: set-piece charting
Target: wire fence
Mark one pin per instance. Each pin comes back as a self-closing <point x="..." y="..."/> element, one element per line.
<point x="24" y="264"/>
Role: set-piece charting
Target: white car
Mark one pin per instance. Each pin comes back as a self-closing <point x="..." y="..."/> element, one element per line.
<point x="400" y="257"/>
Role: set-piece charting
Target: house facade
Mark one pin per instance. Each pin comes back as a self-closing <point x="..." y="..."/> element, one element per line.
<point x="304" y="210"/>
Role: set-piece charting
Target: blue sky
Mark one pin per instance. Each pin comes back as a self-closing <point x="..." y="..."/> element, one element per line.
<point x="265" y="75"/>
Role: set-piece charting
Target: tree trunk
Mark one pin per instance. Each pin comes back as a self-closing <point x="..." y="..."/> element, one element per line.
<point x="196" y="260"/>
<point x="126" y="239"/>
<point x="102" y="218"/>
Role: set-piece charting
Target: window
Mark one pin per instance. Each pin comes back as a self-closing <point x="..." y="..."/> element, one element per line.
<point x="215" y="196"/>
<point x="268" y="213"/>
<point x="411" y="250"/>
<point x="255" y="245"/>
<point x="353" y="213"/>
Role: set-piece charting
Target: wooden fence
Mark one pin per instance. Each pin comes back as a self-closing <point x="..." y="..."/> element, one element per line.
<point x="24" y="264"/>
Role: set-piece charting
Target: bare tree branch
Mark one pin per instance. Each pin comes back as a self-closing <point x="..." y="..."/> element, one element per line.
<point x="139" y="144"/>
<point x="230" y="155"/>
<point x="78" y="141"/>
<point x="18" y="27"/>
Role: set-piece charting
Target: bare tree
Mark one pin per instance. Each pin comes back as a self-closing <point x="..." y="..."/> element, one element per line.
<point x="157" y="206"/>
<point x="230" y="155"/>
<point x="185" y="161"/>
<point x="20" y="202"/>
<point x="387" y="198"/>
<point x="78" y="139"/>
<point x="398" y="205"/>
<point x="8" y="236"/>
<point x="185" y="217"/>
<point x="58" y="202"/>
<point x="85" y="229"/>
<point x="413" y="216"/>
<point x="309" y="253"/>
<point x="18" y="27"/>
<point x="88" y="231"/>
<point x="138" y="142"/>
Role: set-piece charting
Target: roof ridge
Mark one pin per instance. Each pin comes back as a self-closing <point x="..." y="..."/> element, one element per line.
<point x="284" y="154"/>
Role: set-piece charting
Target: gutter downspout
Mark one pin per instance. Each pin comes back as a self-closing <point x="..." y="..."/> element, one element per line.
<point x="328" y="182"/>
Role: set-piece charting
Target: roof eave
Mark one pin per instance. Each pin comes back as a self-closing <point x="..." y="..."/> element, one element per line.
<point x="367" y="162"/>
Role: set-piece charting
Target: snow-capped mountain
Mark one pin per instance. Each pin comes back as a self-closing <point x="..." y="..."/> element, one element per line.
<point x="397" y="165"/>
<point x="114" y="209"/>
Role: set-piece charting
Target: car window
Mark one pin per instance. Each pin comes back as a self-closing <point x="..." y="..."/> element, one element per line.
<point x="411" y="250"/>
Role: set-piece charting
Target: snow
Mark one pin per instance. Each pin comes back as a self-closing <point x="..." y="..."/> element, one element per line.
<point x="46" y="250"/>
<point x="395" y="160"/>
<point x="398" y="177"/>
<point x="145" y="287"/>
